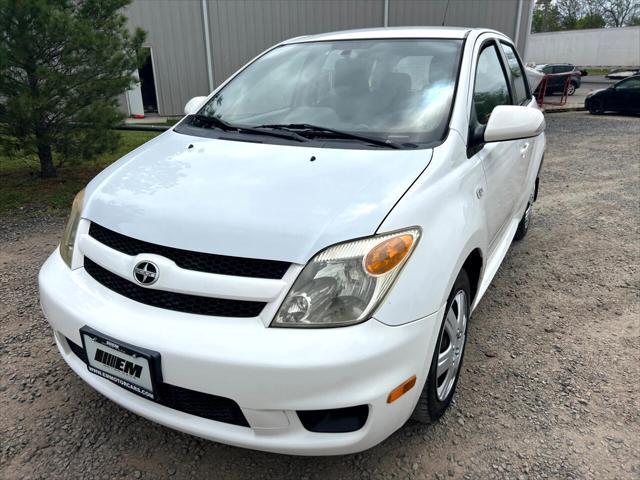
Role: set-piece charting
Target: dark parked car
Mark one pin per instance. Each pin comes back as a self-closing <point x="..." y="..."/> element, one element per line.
<point x="623" y="96"/>
<point x="556" y="84"/>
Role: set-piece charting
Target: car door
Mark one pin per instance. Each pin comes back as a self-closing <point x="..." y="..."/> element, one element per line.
<point x="521" y="95"/>
<point x="498" y="159"/>
<point x="559" y="81"/>
<point x="626" y="95"/>
<point x="547" y="69"/>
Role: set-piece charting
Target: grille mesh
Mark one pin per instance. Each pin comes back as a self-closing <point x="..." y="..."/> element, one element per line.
<point x="179" y="302"/>
<point x="200" y="404"/>
<point x="201" y="262"/>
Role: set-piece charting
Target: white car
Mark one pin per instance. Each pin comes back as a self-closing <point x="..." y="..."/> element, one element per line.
<point x="292" y="268"/>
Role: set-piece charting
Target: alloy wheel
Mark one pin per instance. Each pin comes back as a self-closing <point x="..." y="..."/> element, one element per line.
<point x="596" y="107"/>
<point x="527" y="216"/>
<point x="451" y="345"/>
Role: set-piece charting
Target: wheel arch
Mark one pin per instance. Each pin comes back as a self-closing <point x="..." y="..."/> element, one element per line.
<point x="473" y="266"/>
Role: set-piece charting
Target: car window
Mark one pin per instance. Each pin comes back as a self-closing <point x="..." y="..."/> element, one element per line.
<point x="418" y="70"/>
<point x="562" y="68"/>
<point x="629" y="84"/>
<point x="261" y="97"/>
<point x="397" y="90"/>
<point x="518" y="79"/>
<point x="491" y="88"/>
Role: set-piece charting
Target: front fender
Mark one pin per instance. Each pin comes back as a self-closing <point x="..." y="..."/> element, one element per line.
<point x="444" y="203"/>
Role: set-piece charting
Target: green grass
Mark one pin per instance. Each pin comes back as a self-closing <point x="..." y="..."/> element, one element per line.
<point x="169" y="122"/>
<point x="22" y="189"/>
<point x="597" y="71"/>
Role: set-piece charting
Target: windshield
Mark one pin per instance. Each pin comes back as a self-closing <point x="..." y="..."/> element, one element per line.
<point x="397" y="91"/>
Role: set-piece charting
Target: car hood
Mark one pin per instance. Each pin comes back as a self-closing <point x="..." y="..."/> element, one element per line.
<point x="250" y="199"/>
<point x="598" y="90"/>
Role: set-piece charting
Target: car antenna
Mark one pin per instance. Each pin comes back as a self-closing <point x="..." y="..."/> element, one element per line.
<point x="446" y="8"/>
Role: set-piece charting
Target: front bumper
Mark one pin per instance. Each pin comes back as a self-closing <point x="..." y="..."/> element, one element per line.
<point x="270" y="372"/>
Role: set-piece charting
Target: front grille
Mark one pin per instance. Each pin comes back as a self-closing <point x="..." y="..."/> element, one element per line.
<point x="179" y="302"/>
<point x="201" y="262"/>
<point x="200" y="404"/>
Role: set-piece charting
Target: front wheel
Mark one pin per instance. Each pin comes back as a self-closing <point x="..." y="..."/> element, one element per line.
<point x="571" y="89"/>
<point x="595" y="107"/>
<point x="444" y="372"/>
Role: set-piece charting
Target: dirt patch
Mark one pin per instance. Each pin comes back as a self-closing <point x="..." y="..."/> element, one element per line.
<point x="549" y="388"/>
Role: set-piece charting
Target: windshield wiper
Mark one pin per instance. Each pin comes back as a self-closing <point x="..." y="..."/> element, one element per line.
<point x="215" y="122"/>
<point x="307" y="128"/>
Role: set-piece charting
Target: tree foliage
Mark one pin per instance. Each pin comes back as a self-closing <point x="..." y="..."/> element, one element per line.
<point x="62" y="65"/>
<point x="618" y="13"/>
<point x="546" y="17"/>
<point x="591" y="20"/>
<point x="554" y="15"/>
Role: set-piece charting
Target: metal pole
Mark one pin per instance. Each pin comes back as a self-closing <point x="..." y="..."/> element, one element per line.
<point x="386" y="13"/>
<point x="527" y="36"/>
<point x="518" y="20"/>
<point x="207" y="44"/>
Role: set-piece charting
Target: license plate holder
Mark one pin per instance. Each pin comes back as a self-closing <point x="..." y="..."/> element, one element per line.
<point x="133" y="368"/>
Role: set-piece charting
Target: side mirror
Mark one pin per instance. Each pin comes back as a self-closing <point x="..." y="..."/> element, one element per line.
<point x="194" y="105"/>
<point x="509" y="122"/>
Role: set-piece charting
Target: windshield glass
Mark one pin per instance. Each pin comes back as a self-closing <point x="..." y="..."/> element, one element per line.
<point x="394" y="90"/>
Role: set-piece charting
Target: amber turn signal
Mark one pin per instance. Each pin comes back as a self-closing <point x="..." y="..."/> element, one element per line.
<point x="401" y="389"/>
<point x="387" y="255"/>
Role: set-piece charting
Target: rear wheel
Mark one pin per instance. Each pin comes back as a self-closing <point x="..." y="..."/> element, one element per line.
<point x="445" y="367"/>
<point x="571" y="89"/>
<point x="525" y="221"/>
<point x="595" y="107"/>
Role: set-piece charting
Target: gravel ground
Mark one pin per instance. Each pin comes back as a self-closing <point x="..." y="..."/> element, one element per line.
<point x="549" y="389"/>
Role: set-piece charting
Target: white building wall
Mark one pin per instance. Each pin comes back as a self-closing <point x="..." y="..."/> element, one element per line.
<point x="607" y="47"/>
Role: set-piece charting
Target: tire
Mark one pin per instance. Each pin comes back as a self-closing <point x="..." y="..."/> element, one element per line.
<point x="525" y="222"/>
<point x="571" y="88"/>
<point x="438" y="391"/>
<point x="595" y="107"/>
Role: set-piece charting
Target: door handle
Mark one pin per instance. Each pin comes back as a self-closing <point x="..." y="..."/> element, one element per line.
<point x="523" y="149"/>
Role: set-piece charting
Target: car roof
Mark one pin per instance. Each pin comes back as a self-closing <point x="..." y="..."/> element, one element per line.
<point x="391" y="32"/>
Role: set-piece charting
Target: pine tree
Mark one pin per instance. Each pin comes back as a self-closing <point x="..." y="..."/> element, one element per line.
<point x="62" y="65"/>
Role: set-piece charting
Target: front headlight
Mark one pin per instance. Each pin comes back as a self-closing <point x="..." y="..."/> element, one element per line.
<point x="69" y="234"/>
<point x="343" y="284"/>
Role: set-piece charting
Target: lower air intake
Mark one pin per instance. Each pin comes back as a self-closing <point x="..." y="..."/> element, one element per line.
<point x="338" y="420"/>
<point x="200" y="404"/>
